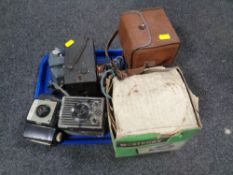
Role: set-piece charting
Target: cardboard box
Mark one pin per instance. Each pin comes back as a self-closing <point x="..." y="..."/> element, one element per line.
<point x="152" y="112"/>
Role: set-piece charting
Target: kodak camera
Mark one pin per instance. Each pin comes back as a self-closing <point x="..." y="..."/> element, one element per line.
<point x="80" y="77"/>
<point x="41" y="122"/>
<point x="82" y="115"/>
<point x="42" y="112"/>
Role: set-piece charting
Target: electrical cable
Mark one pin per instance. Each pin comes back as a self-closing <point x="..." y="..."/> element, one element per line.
<point x="56" y="86"/>
<point x="119" y="61"/>
<point x="104" y="75"/>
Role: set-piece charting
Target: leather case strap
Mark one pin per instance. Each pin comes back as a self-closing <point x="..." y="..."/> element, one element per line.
<point x="129" y="72"/>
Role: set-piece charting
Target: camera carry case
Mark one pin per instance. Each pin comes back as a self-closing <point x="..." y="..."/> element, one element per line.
<point x="147" y="37"/>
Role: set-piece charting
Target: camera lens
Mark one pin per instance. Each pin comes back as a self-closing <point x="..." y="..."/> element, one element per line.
<point x="80" y="111"/>
<point x="42" y="111"/>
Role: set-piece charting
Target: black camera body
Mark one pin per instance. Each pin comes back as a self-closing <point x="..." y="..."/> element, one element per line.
<point x="80" y="77"/>
<point x="41" y="124"/>
<point x="82" y="115"/>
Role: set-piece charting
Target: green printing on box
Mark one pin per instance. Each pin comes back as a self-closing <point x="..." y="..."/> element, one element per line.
<point x="155" y="143"/>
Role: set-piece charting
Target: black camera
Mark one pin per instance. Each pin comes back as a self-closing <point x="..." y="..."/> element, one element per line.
<point x="80" y="77"/>
<point x="82" y="115"/>
<point x="41" y="126"/>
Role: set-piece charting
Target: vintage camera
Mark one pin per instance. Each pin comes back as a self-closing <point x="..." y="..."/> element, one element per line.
<point x="82" y="115"/>
<point x="80" y="77"/>
<point x="41" y="122"/>
<point x="43" y="112"/>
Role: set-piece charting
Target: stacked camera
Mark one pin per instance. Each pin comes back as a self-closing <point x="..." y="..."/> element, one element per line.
<point x="76" y="105"/>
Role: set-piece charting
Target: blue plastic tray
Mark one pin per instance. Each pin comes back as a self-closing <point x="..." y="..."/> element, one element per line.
<point x="44" y="76"/>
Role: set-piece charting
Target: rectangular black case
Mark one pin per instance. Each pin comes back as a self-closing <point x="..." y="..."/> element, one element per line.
<point x="80" y="76"/>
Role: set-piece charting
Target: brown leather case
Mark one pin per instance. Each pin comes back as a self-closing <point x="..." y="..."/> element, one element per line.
<point x="148" y="38"/>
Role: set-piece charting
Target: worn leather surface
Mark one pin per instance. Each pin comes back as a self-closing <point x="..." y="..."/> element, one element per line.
<point x="139" y="37"/>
